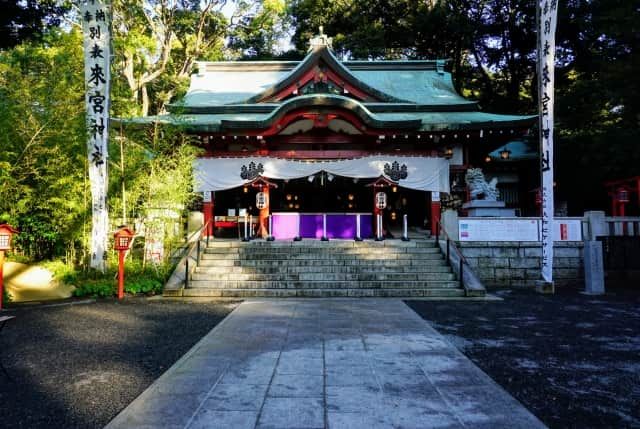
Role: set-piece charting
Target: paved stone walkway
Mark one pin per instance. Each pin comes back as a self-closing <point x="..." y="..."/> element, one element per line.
<point x="324" y="363"/>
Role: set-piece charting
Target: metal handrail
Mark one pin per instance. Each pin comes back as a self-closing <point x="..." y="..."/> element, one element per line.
<point x="461" y="259"/>
<point x="198" y="249"/>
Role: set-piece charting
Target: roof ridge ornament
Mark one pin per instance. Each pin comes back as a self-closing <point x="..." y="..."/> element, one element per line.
<point x="320" y="40"/>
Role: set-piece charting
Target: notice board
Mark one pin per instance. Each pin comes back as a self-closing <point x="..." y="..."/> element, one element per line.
<point x="510" y="229"/>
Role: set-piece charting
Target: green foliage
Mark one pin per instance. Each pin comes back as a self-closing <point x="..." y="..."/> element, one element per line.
<point x="42" y="143"/>
<point x="146" y="280"/>
<point x="6" y="296"/>
<point x="95" y="288"/>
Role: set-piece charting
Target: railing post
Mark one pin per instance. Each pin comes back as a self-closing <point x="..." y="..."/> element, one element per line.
<point x="198" y="252"/>
<point x="186" y="272"/>
<point x="448" y="248"/>
<point x="438" y="233"/>
<point x="461" y="272"/>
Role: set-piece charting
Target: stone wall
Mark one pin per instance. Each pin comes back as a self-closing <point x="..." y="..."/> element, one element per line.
<point x="517" y="264"/>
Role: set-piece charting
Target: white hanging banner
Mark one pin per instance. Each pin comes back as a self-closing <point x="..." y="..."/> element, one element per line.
<point x="96" y="27"/>
<point x="412" y="172"/>
<point x="547" y="15"/>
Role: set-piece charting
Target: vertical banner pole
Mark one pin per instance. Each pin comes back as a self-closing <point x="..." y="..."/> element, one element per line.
<point x="324" y="228"/>
<point x="297" y="237"/>
<point x="546" y="16"/>
<point x="246" y="228"/>
<point x="96" y="28"/>
<point x="270" y="234"/>
<point x="405" y="229"/>
<point x="358" y="236"/>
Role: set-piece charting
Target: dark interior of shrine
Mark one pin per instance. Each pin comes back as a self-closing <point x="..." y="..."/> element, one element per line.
<point x="326" y="193"/>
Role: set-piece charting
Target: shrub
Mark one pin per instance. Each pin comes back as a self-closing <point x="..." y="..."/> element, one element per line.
<point x="95" y="288"/>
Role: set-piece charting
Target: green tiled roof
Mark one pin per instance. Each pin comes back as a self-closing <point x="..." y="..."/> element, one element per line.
<point x="415" y="95"/>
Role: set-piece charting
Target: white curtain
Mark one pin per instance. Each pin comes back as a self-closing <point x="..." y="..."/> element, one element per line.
<point x="423" y="173"/>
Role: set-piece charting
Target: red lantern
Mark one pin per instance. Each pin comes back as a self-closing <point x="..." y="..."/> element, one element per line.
<point x="122" y="239"/>
<point x="6" y="235"/>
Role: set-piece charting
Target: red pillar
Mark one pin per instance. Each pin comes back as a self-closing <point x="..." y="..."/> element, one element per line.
<point x="435" y="212"/>
<point x="1" y="277"/>
<point x="263" y="216"/>
<point x="376" y="211"/>
<point x="121" y="274"/>
<point x="209" y="214"/>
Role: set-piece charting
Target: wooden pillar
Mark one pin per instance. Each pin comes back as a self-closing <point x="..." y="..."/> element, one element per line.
<point x="435" y="211"/>
<point x="208" y="212"/>
<point x="377" y="211"/>
<point x="263" y="218"/>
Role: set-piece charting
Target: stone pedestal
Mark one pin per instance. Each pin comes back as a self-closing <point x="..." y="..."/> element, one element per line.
<point x="482" y="208"/>
<point x="593" y="268"/>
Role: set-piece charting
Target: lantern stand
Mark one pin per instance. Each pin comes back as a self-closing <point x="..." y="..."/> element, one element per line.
<point x="263" y="186"/>
<point x="380" y="203"/>
<point x="6" y="234"/>
<point x="122" y="239"/>
<point x="622" y="198"/>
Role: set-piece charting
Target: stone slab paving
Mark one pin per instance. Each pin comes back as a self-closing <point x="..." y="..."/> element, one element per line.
<point x="324" y="363"/>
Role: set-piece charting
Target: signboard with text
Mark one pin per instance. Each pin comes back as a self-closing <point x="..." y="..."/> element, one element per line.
<point x="546" y="16"/>
<point x="497" y="229"/>
<point x="96" y="28"/>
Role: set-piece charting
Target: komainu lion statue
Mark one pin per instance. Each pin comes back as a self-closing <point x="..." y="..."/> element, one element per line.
<point x="478" y="186"/>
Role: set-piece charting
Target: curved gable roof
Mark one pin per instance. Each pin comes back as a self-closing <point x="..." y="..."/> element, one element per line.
<point x="242" y="83"/>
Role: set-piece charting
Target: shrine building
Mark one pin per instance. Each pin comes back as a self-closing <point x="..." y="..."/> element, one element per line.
<point x="318" y="139"/>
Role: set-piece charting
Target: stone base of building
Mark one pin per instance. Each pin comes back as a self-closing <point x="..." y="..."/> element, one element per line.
<point x="517" y="264"/>
<point x="480" y="208"/>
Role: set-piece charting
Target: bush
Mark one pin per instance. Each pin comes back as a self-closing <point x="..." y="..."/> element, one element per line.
<point x="95" y="288"/>
<point x="137" y="280"/>
<point x="6" y="297"/>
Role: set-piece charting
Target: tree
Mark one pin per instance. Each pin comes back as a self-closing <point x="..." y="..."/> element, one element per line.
<point x="258" y="28"/>
<point x="157" y="43"/>
<point x="42" y="143"/>
<point x="29" y="19"/>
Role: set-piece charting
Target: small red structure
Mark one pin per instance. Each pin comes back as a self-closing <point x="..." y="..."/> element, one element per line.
<point x="122" y="241"/>
<point x="263" y="186"/>
<point x="620" y="192"/>
<point x="6" y="236"/>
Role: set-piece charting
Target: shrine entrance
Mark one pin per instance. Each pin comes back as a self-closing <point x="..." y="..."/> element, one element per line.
<point x="297" y="207"/>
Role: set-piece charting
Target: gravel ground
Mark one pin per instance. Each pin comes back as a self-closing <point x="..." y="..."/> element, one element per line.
<point x="571" y="359"/>
<point x="77" y="366"/>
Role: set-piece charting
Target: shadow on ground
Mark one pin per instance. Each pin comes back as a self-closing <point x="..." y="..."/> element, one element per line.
<point x="571" y="359"/>
<point x="77" y="366"/>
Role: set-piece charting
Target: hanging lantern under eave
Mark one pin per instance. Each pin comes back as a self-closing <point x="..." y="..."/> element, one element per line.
<point x="505" y="153"/>
<point x="622" y="195"/>
<point x="448" y="152"/>
<point x="487" y="158"/>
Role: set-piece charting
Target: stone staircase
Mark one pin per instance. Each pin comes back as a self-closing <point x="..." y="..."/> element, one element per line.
<point x="312" y="268"/>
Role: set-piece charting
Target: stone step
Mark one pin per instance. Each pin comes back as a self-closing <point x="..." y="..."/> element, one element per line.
<point x="299" y="284"/>
<point x="320" y="244"/>
<point x="432" y="266"/>
<point x="435" y="261"/>
<point x="319" y="250"/>
<point x="322" y="293"/>
<point x="322" y="276"/>
<point x="320" y="256"/>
